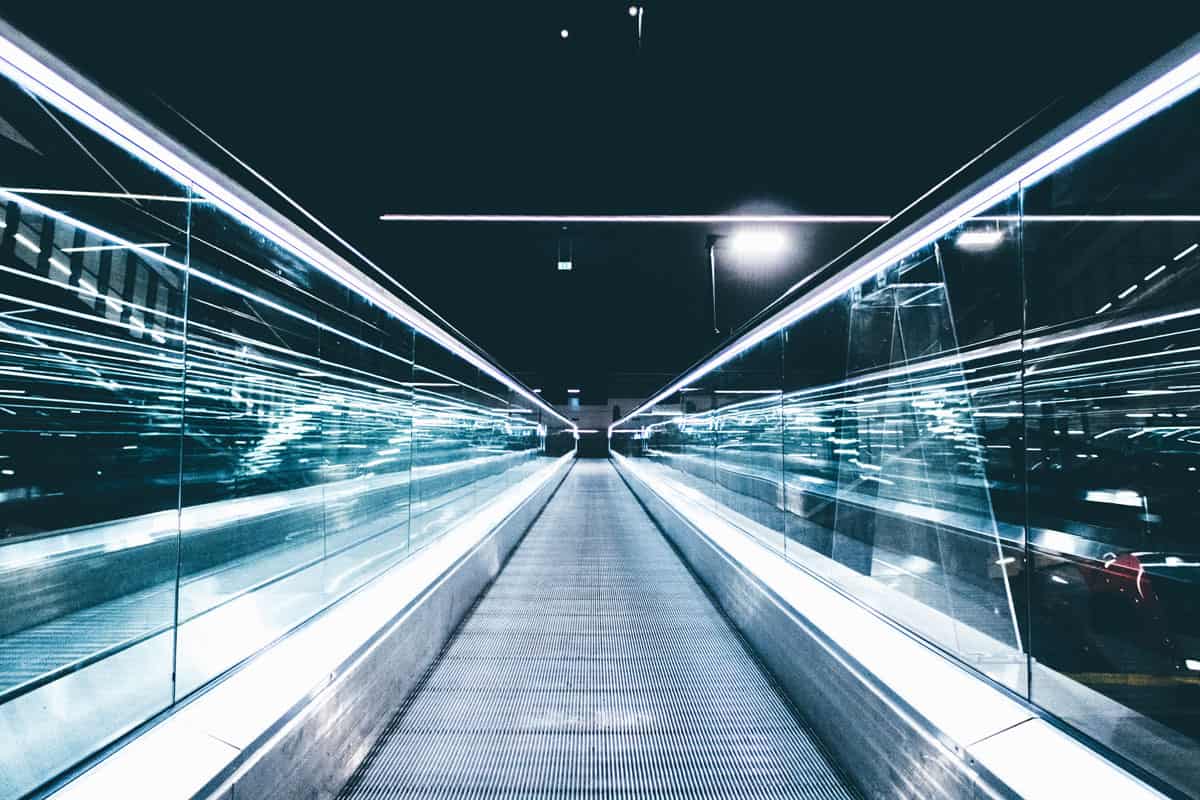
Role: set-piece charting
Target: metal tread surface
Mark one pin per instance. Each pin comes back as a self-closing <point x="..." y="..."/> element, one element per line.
<point x="595" y="666"/>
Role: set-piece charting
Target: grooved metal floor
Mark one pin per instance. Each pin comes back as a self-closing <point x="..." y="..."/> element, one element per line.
<point x="595" y="666"/>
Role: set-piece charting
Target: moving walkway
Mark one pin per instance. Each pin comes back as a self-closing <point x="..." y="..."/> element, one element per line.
<point x="273" y="529"/>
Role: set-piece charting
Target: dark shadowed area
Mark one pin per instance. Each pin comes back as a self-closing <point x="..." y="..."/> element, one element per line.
<point x="360" y="109"/>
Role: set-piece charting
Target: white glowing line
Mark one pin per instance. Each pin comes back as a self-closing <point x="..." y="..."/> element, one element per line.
<point x="91" y="107"/>
<point x="979" y="238"/>
<point x="23" y="240"/>
<point x="1098" y="218"/>
<point x="1127" y="292"/>
<point x="1155" y="272"/>
<point x="1119" y="497"/>
<point x="96" y="247"/>
<point x="1051" y="341"/>
<point x="747" y="391"/>
<point x="117" y="195"/>
<point x="1160" y="93"/>
<point x="694" y="219"/>
<point x="1185" y="252"/>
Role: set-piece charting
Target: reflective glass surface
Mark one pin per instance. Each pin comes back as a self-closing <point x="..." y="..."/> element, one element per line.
<point x="205" y="440"/>
<point x="992" y="441"/>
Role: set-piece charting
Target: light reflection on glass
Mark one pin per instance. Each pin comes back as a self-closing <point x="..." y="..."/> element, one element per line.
<point x="204" y="441"/>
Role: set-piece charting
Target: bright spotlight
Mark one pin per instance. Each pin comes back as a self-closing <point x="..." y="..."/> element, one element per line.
<point x="981" y="239"/>
<point x="564" y="33"/>
<point x="633" y="11"/>
<point x="758" y="243"/>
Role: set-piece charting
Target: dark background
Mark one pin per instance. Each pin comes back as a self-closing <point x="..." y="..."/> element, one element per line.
<point x="357" y="109"/>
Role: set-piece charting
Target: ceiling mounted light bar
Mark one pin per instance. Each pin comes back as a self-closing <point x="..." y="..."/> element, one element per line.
<point x="767" y="219"/>
<point x="1141" y="97"/>
<point x="44" y="76"/>
<point x="688" y="219"/>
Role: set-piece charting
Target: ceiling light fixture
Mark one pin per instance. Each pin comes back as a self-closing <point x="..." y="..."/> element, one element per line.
<point x="979" y="239"/>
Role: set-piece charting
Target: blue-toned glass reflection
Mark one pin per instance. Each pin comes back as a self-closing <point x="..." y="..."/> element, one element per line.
<point x="205" y="440"/>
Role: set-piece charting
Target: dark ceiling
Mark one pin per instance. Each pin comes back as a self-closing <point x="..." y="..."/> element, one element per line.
<point x="356" y="109"/>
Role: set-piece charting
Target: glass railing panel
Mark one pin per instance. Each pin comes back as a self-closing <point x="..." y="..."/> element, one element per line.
<point x="556" y="437"/>
<point x="748" y="440"/>
<point x="688" y="441"/>
<point x="93" y="280"/>
<point x="673" y="438"/>
<point x="980" y="491"/>
<point x="814" y="353"/>
<point x="523" y="436"/>
<point x="253" y="461"/>
<point x="990" y="440"/>
<point x="1112" y="388"/>
<point x="888" y="464"/>
<point x="491" y="437"/>
<point x="205" y="437"/>
<point x="366" y="384"/>
<point x="811" y="380"/>
<point x="448" y="417"/>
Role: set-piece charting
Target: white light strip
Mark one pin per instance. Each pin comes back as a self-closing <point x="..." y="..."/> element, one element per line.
<point x="167" y="198"/>
<point x="1124" y="114"/>
<point x="690" y="219"/>
<point x="759" y="218"/>
<point x="979" y="238"/>
<point x="95" y="247"/>
<point x="97" y="111"/>
<point x="1105" y="218"/>
<point x="23" y="240"/>
<point x="748" y="391"/>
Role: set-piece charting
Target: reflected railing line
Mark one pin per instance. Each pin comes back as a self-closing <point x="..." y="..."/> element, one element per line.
<point x="100" y="232"/>
<point x="80" y="315"/>
<point x="316" y="221"/>
<point x="29" y="66"/>
<point x="124" y="304"/>
<point x="1068" y="143"/>
<point x="989" y="351"/>
<point x="275" y="379"/>
<point x="166" y="198"/>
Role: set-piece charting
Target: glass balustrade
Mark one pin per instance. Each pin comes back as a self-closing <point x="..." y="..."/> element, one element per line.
<point x="994" y="440"/>
<point x="205" y="440"/>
